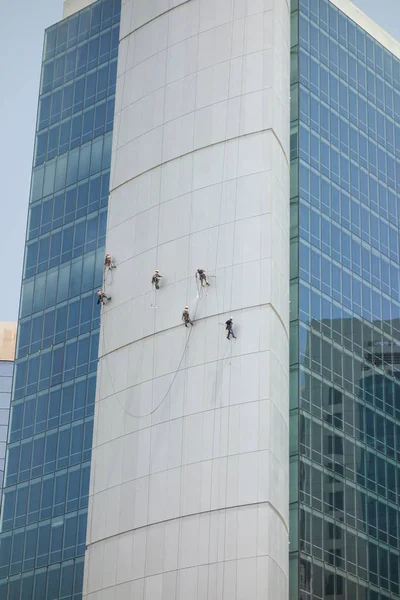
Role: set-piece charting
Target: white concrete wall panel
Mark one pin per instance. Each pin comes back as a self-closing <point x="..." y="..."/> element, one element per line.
<point x="189" y="486"/>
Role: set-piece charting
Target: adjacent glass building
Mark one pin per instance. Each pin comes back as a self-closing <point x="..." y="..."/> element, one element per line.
<point x="7" y="352"/>
<point x="6" y="372"/>
<point x="44" y="515"/>
<point x="345" y="309"/>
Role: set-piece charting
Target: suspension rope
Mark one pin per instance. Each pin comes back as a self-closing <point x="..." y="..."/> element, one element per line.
<point x="200" y="296"/>
<point x="200" y="293"/>
<point x="137" y="416"/>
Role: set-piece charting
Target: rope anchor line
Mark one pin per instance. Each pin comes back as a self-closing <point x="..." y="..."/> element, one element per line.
<point x="200" y="289"/>
<point x="141" y="416"/>
<point x="200" y="295"/>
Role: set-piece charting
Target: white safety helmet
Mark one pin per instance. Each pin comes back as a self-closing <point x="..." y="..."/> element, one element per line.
<point x="156" y="270"/>
<point x="186" y="308"/>
<point x="231" y="318"/>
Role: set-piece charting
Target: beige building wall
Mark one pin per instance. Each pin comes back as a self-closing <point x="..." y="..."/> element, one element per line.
<point x="8" y="335"/>
<point x="72" y="6"/>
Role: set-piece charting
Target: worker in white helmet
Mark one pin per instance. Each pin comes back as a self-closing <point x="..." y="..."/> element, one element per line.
<point x="108" y="262"/>
<point x="155" y="280"/>
<point x="229" y="328"/>
<point x="186" y="317"/>
<point x="102" y="297"/>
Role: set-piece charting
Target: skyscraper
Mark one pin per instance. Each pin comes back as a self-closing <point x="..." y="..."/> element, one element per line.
<point x="7" y="353"/>
<point x="189" y="485"/>
<point x="44" y="515"/>
<point x="345" y="325"/>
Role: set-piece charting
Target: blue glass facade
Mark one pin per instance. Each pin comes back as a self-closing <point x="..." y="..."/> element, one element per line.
<point x="6" y="373"/>
<point x="345" y="310"/>
<point x="43" y="521"/>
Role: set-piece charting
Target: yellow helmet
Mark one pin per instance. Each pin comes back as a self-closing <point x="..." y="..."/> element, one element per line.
<point x="156" y="270"/>
<point x="186" y="307"/>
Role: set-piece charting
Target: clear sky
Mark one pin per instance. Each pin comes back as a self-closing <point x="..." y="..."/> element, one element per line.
<point x="385" y="12"/>
<point x="22" y="24"/>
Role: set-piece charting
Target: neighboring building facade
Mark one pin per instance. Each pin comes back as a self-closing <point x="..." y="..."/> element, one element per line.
<point x="345" y="306"/>
<point x="189" y="486"/>
<point x="44" y="515"/>
<point x="7" y="353"/>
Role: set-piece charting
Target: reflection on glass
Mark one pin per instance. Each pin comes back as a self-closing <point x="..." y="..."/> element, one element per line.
<point x="347" y="356"/>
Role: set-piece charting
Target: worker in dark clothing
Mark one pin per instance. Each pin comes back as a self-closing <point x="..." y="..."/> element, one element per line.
<point x="108" y="262"/>
<point x="155" y="280"/>
<point x="186" y="317"/>
<point x="102" y="297"/>
<point x="229" y="328"/>
<point x="203" y="277"/>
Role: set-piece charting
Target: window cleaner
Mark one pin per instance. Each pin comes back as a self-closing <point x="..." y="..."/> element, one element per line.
<point x="155" y="280"/>
<point x="108" y="262"/>
<point x="102" y="297"/>
<point x="229" y="328"/>
<point x="186" y="317"/>
<point x="202" y="276"/>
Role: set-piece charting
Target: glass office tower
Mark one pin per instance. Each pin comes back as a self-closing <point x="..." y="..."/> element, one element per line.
<point x="43" y="521"/>
<point x="345" y="308"/>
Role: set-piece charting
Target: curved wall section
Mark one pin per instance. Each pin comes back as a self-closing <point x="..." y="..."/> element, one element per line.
<point x="189" y="489"/>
